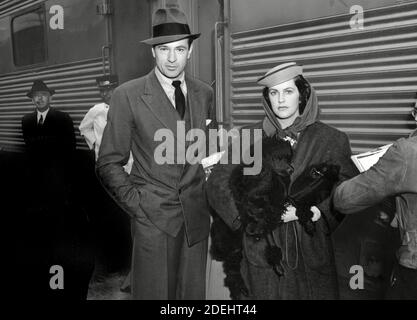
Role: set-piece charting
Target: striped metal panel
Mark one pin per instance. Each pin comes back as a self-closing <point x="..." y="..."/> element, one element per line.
<point x="76" y="92"/>
<point x="366" y="79"/>
<point x="9" y="7"/>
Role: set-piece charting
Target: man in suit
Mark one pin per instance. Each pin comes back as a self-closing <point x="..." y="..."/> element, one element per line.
<point x="167" y="201"/>
<point x="56" y="225"/>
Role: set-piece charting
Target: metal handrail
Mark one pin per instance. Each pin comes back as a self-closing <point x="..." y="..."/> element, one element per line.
<point x="219" y="76"/>
<point x="103" y="57"/>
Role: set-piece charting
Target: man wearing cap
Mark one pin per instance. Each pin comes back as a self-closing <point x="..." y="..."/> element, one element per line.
<point x="93" y="123"/>
<point x="105" y="217"/>
<point x="95" y="120"/>
<point x="56" y="226"/>
<point x="167" y="202"/>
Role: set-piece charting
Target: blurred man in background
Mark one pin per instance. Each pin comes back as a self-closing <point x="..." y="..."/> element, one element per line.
<point x="56" y="226"/>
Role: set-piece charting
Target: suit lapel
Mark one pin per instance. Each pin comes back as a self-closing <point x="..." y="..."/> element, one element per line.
<point x="158" y="103"/>
<point x="33" y="120"/>
<point x="195" y="104"/>
<point x="31" y="123"/>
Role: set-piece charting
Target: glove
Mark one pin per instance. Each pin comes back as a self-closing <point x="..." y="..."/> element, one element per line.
<point x="290" y="214"/>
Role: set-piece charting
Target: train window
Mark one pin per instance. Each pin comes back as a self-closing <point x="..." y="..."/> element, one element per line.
<point x="29" y="38"/>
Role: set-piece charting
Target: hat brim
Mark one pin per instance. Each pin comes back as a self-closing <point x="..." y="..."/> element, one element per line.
<point x="30" y="93"/>
<point x="172" y="38"/>
<point x="280" y="76"/>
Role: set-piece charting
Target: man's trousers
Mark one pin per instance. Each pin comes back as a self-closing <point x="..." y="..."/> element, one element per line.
<point x="165" y="267"/>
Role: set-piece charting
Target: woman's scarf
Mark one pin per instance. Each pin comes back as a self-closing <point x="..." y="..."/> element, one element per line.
<point x="310" y="115"/>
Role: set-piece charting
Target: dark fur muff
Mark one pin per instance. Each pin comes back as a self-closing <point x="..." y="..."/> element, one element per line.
<point x="259" y="209"/>
<point x="261" y="200"/>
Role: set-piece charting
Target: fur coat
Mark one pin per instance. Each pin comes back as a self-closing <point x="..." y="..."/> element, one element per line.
<point x="308" y="264"/>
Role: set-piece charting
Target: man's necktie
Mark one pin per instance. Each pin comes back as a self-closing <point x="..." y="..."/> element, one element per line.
<point x="179" y="98"/>
<point x="40" y="122"/>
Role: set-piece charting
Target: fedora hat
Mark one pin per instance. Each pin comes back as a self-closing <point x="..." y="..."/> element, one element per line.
<point x="169" y="25"/>
<point x="39" y="85"/>
<point x="107" y="81"/>
<point x="280" y="74"/>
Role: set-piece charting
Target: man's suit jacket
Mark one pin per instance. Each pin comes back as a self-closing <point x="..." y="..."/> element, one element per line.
<point x="167" y="194"/>
<point x="49" y="151"/>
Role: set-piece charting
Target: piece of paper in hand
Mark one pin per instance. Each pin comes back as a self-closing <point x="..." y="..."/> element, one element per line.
<point x="211" y="160"/>
<point x="364" y="161"/>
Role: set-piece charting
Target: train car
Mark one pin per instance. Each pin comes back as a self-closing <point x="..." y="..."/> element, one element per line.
<point x="360" y="55"/>
<point x="67" y="43"/>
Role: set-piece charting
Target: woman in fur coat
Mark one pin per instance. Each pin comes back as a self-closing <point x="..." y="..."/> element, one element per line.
<point x="307" y="267"/>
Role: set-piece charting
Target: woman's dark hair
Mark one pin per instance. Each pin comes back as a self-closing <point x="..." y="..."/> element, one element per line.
<point x="190" y="41"/>
<point x="304" y="90"/>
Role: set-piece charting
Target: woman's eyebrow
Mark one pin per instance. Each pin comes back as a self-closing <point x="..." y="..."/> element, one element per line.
<point x="286" y="88"/>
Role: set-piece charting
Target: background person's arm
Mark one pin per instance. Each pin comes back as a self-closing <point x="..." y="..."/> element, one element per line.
<point x="341" y="158"/>
<point x="87" y="128"/>
<point x="388" y="177"/>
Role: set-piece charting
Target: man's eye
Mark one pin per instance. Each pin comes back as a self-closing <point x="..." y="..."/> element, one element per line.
<point x="180" y="50"/>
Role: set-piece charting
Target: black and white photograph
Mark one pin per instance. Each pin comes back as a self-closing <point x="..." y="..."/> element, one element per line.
<point x="209" y="152"/>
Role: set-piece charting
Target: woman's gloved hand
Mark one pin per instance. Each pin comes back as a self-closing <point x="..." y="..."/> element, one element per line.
<point x="291" y="214"/>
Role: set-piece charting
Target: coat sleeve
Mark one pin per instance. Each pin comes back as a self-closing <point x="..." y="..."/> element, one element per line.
<point x="114" y="154"/>
<point x="341" y="157"/>
<point x="68" y="135"/>
<point x="28" y="135"/>
<point x="219" y="193"/>
<point x="24" y="133"/>
<point x="393" y="174"/>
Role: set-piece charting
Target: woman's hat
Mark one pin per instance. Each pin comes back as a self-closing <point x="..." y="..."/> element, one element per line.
<point x="39" y="85"/>
<point x="107" y="81"/>
<point x="169" y="25"/>
<point x="280" y="74"/>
